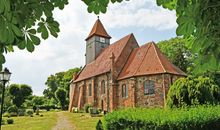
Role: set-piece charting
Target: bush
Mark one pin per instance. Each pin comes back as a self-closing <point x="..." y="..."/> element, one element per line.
<point x="13" y="114"/>
<point x="93" y="111"/>
<point x="193" y="91"/>
<point x="86" y="108"/>
<point x="197" y="118"/>
<point x="6" y="114"/>
<point x="75" y="110"/>
<point x="21" y="112"/>
<point x="12" y="109"/>
<point x="30" y="112"/>
<point x="10" y="121"/>
<point x="48" y="107"/>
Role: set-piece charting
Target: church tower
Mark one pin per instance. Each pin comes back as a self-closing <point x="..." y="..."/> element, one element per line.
<point x="97" y="40"/>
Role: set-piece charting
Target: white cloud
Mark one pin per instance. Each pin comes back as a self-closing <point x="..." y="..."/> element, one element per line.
<point x="140" y="13"/>
<point x="67" y="51"/>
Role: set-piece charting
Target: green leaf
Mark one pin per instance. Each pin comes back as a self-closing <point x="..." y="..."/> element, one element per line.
<point x="2" y="58"/>
<point x="44" y="33"/>
<point x="159" y="2"/>
<point x="10" y="36"/>
<point x="22" y="45"/>
<point x="1" y="6"/>
<point x="35" y="39"/>
<point x="30" y="46"/>
<point x="103" y="9"/>
<point x="16" y="30"/>
<point x="32" y="31"/>
<point x="4" y="34"/>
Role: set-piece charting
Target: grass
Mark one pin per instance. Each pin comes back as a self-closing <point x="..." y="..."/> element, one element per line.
<point x="82" y="121"/>
<point x="47" y="122"/>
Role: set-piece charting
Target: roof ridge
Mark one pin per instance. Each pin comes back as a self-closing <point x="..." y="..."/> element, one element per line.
<point x="129" y="37"/>
<point x="142" y="58"/>
<point x="133" y="51"/>
<point x="158" y="56"/>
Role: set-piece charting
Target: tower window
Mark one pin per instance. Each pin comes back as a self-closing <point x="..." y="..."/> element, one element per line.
<point x="149" y="87"/>
<point x="102" y="39"/>
<point x="124" y="91"/>
<point x="103" y="87"/>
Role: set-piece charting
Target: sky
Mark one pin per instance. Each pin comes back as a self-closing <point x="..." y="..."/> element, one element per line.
<point x="143" y="18"/>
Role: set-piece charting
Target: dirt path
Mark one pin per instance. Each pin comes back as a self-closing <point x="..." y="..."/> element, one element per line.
<point x="63" y="123"/>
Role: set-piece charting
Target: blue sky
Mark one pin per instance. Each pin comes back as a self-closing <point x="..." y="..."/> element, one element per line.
<point x="144" y="18"/>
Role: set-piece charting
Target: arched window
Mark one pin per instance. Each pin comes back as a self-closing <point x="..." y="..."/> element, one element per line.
<point x="103" y="87"/>
<point x="149" y="87"/>
<point x="90" y="89"/>
<point x="124" y="91"/>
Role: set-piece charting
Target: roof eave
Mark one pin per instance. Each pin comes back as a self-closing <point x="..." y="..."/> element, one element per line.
<point x="98" y="35"/>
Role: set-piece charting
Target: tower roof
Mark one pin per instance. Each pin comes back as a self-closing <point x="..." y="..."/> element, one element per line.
<point x="99" y="30"/>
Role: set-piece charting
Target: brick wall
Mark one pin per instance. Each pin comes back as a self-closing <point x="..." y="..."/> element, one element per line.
<point x="97" y="99"/>
<point x="151" y="100"/>
<point x="129" y="100"/>
<point x="136" y="97"/>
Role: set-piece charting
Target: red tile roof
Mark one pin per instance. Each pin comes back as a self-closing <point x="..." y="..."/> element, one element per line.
<point x="98" y="29"/>
<point x="102" y="63"/>
<point x="148" y="60"/>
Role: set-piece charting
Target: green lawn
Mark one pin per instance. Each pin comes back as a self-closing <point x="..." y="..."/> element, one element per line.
<point x="82" y="121"/>
<point x="47" y="122"/>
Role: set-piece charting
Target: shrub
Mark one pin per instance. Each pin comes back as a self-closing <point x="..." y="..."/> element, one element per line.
<point x="193" y="91"/>
<point x="60" y="95"/>
<point x="197" y="118"/>
<point x="94" y="112"/>
<point x="10" y="121"/>
<point x="21" y="112"/>
<point x="13" y="114"/>
<point x="29" y="112"/>
<point x="6" y="114"/>
<point x="86" y="108"/>
<point x="48" y="107"/>
<point x="12" y="109"/>
<point x="75" y="110"/>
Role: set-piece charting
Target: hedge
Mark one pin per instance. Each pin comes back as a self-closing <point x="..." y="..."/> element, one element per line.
<point x="197" y="118"/>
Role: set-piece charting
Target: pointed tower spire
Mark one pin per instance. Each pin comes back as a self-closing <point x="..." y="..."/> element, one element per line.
<point x="99" y="30"/>
<point x="97" y="40"/>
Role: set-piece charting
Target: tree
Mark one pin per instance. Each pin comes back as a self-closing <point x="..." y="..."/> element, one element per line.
<point x="193" y="91"/>
<point x="19" y="93"/>
<point x="59" y="80"/>
<point x="23" y="23"/>
<point x="177" y="52"/>
<point x="7" y="98"/>
<point x="38" y="100"/>
<point x="61" y="97"/>
<point x="68" y="76"/>
<point x="198" y="21"/>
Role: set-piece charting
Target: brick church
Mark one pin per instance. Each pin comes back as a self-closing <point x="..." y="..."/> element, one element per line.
<point x="121" y="74"/>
